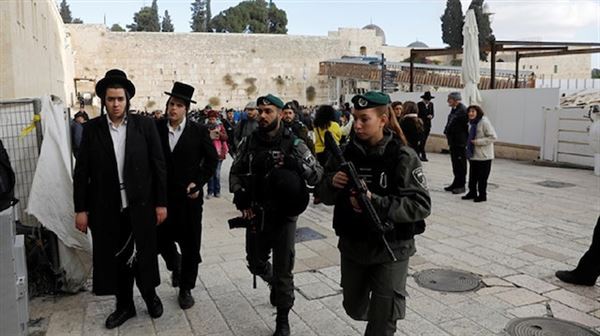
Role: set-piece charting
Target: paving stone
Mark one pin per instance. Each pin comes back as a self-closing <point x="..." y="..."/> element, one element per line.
<point x="567" y="313"/>
<point x="520" y="297"/>
<point x="464" y="327"/>
<point x="531" y="283"/>
<point x="574" y="300"/>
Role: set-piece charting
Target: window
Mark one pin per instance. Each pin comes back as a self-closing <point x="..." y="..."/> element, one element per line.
<point x="363" y="51"/>
<point x="555" y="68"/>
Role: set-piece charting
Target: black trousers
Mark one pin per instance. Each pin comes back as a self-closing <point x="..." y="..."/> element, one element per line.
<point x="589" y="264"/>
<point x="423" y="142"/>
<point x="479" y="172"/>
<point x="189" y="240"/>
<point x="278" y="235"/>
<point x="458" y="156"/>
<point x="127" y="272"/>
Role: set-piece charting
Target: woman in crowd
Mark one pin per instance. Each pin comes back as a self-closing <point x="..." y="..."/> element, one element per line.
<point x="480" y="152"/>
<point x="374" y="263"/>
<point x="218" y="135"/>
<point x="411" y="125"/>
<point x="324" y="121"/>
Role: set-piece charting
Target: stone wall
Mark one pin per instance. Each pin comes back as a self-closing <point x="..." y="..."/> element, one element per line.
<point x="230" y="68"/>
<point x="35" y="57"/>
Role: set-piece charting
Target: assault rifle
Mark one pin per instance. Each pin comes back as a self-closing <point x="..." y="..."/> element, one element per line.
<point x="359" y="188"/>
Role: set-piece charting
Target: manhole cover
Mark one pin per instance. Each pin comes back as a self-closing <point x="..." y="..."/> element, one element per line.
<point x="546" y="326"/>
<point x="555" y="184"/>
<point x="305" y="234"/>
<point x="444" y="280"/>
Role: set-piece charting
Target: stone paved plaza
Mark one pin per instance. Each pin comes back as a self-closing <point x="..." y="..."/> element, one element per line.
<point x="515" y="242"/>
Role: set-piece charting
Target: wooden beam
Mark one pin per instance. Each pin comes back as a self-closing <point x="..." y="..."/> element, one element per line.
<point x="560" y="53"/>
<point x="493" y="65"/>
<point x="542" y="43"/>
<point x="517" y="58"/>
<point x="412" y="71"/>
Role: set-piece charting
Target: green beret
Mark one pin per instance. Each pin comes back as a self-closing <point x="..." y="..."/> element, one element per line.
<point x="370" y="99"/>
<point x="270" y="100"/>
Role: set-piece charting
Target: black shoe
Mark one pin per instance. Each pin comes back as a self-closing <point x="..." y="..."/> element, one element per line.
<point x="457" y="191"/>
<point x="185" y="298"/>
<point x="282" y="326"/>
<point x="480" y="199"/>
<point x="119" y="317"/>
<point x="469" y="196"/>
<point x="450" y="187"/>
<point x="424" y="158"/>
<point x="155" y="307"/>
<point x="572" y="278"/>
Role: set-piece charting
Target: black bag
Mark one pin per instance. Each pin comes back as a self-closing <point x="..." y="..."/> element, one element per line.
<point x="7" y="180"/>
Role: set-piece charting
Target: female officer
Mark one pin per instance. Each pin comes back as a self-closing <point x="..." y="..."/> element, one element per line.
<point x="373" y="276"/>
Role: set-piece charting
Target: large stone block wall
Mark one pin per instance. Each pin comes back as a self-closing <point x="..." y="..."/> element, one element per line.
<point x="235" y="68"/>
<point x="35" y="55"/>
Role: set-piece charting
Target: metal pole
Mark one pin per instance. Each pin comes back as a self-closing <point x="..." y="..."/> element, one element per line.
<point x="412" y="71"/>
<point x="493" y="68"/>
<point x="382" y="81"/>
<point x="517" y="70"/>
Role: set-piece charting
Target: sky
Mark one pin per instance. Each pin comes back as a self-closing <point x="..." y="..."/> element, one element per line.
<point x="403" y="21"/>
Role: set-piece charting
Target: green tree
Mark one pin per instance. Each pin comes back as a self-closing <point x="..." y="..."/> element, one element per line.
<point x="255" y="16"/>
<point x="595" y="73"/>
<point x="452" y="24"/>
<point x="65" y="12"/>
<point x="117" y="28"/>
<point x="167" y="25"/>
<point x="200" y="15"/>
<point x="146" y="19"/>
<point x="484" y="26"/>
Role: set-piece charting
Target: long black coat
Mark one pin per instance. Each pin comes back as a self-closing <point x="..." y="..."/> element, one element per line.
<point x="96" y="191"/>
<point x="194" y="159"/>
<point x="424" y="112"/>
<point x="457" y="127"/>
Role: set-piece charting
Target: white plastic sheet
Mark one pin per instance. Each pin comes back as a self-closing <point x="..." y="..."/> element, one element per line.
<point x="51" y="196"/>
<point x="470" y="65"/>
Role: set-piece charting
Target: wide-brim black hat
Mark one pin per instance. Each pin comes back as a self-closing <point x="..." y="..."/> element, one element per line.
<point x="288" y="192"/>
<point x="182" y="91"/>
<point x="114" y="76"/>
<point x="427" y="96"/>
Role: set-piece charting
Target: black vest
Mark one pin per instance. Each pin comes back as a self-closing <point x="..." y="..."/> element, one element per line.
<point x="378" y="171"/>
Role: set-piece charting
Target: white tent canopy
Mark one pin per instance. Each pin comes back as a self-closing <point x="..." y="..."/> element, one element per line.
<point x="470" y="65"/>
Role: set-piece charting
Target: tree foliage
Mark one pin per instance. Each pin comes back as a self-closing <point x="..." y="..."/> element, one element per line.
<point x="452" y="24"/>
<point x="146" y="19"/>
<point x="167" y="25"/>
<point x="200" y="15"/>
<point x="65" y="12"/>
<point x="595" y="73"/>
<point x="117" y="28"/>
<point x="484" y="26"/>
<point x="251" y="16"/>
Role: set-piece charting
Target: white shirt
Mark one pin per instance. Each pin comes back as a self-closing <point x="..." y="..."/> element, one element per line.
<point x="119" y="136"/>
<point x="175" y="133"/>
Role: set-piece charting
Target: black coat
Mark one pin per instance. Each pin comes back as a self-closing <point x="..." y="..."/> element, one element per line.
<point x="96" y="191"/>
<point x="457" y="127"/>
<point x="194" y="159"/>
<point x="424" y="112"/>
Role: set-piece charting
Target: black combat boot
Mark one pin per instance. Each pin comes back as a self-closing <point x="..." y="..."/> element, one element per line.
<point x="282" y="326"/>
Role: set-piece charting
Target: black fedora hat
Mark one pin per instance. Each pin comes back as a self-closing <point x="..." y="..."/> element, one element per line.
<point x="114" y="76"/>
<point x="427" y="96"/>
<point x="182" y="91"/>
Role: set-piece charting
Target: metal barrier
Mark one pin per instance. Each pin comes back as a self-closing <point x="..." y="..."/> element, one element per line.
<point x="21" y="133"/>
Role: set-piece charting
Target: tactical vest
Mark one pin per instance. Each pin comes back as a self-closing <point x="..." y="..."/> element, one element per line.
<point x="378" y="171"/>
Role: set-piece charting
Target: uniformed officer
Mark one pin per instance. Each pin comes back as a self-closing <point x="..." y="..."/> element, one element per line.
<point x="268" y="180"/>
<point x="374" y="285"/>
<point x="291" y="122"/>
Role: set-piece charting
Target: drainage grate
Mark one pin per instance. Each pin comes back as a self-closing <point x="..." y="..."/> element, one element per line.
<point x="306" y="234"/>
<point x="444" y="280"/>
<point x="542" y="326"/>
<point x="555" y="184"/>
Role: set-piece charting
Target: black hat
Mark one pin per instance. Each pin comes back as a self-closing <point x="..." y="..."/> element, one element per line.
<point x="182" y="91"/>
<point x="114" y="76"/>
<point x="288" y="191"/>
<point x="427" y="96"/>
<point x="370" y="99"/>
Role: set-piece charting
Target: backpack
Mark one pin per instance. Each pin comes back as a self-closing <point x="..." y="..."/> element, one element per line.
<point x="7" y="180"/>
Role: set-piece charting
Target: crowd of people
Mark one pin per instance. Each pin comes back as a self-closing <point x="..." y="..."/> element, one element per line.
<point x="138" y="186"/>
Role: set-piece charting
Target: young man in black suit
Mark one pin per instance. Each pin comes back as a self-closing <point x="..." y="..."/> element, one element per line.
<point x="119" y="187"/>
<point x="426" y="114"/>
<point x="191" y="161"/>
